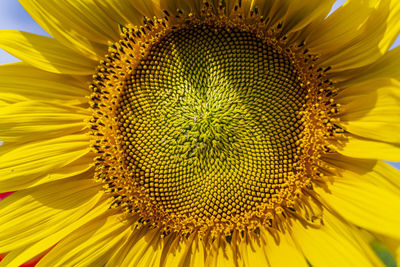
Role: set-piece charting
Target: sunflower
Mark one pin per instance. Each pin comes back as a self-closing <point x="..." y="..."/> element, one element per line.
<point x="201" y="133"/>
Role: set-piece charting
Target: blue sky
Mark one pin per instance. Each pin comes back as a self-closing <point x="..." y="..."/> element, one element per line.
<point x="13" y="16"/>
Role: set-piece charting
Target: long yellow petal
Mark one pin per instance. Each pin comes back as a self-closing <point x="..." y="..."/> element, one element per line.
<point x="334" y="243"/>
<point x="357" y="34"/>
<point x="22" y="255"/>
<point x="225" y="256"/>
<point x="34" y="163"/>
<point x="363" y="203"/>
<point x="293" y="15"/>
<point x="45" y="53"/>
<point x="273" y="10"/>
<point x="78" y="24"/>
<point x="376" y="172"/>
<point x="145" y="248"/>
<point x="387" y="66"/>
<point x="30" y="83"/>
<point x="302" y="13"/>
<point x="37" y="218"/>
<point x="119" y="255"/>
<point x="378" y="117"/>
<point x="386" y="176"/>
<point x="92" y="244"/>
<point x="364" y="148"/>
<point x="33" y="120"/>
<point x="178" y="252"/>
<point x="126" y="12"/>
<point x="392" y="27"/>
<point x="340" y="27"/>
<point x="198" y="254"/>
<point x="284" y="253"/>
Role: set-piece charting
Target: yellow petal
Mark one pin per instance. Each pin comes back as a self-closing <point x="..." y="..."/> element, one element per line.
<point x="333" y="244"/>
<point x="378" y="117"/>
<point x="30" y="83"/>
<point x="33" y="120"/>
<point x="293" y="14"/>
<point x="178" y="251"/>
<point x="365" y="204"/>
<point x="386" y="176"/>
<point x="198" y="255"/>
<point x="34" y="163"/>
<point x="90" y="245"/>
<point x="392" y="27"/>
<point x="376" y="172"/>
<point x="45" y="53"/>
<point x="350" y="93"/>
<point x="340" y="27"/>
<point x="78" y="24"/>
<point x="284" y="253"/>
<point x="240" y="251"/>
<point x="364" y="148"/>
<point x="273" y="10"/>
<point x="262" y="6"/>
<point x="145" y="248"/>
<point x="21" y="255"/>
<point x="119" y="255"/>
<point x="356" y="34"/>
<point x="302" y="13"/>
<point x="36" y="219"/>
<point x="224" y="254"/>
<point x="387" y="66"/>
<point x="126" y="12"/>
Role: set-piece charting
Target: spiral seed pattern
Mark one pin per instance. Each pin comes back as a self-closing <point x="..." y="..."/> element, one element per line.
<point x="210" y="120"/>
<point x="211" y="124"/>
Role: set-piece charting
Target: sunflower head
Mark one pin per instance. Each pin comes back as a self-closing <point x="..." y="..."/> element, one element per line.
<point x="211" y="133"/>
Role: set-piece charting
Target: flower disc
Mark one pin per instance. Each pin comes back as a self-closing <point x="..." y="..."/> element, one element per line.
<point x="210" y="127"/>
<point x="210" y="122"/>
